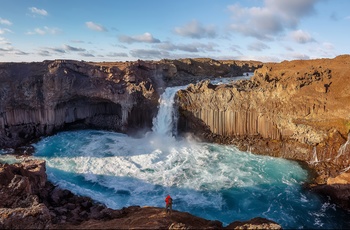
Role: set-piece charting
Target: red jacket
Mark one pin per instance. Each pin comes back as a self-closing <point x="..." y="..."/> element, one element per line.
<point x="168" y="200"/>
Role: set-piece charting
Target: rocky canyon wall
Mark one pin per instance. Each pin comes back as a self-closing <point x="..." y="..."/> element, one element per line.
<point x="40" y="98"/>
<point x="298" y="110"/>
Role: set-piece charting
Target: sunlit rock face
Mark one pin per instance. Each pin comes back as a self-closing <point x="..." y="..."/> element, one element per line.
<point x="297" y="109"/>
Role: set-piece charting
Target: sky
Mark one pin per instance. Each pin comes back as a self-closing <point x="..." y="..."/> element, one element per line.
<point x="128" y="30"/>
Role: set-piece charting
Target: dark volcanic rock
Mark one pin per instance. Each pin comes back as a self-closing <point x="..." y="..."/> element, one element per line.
<point x="38" y="99"/>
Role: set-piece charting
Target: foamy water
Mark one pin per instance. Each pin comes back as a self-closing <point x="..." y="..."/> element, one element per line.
<point x="208" y="180"/>
<point x="212" y="181"/>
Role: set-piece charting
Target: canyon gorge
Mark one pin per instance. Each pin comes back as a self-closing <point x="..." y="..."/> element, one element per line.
<point x="298" y="110"/>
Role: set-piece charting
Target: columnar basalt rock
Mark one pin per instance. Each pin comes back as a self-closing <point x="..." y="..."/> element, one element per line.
<point x="37" y="99"/>
<point x="297" y="110"/>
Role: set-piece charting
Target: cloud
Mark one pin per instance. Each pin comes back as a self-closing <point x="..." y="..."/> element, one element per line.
<point x="58" y="50"/>
<point x="5" y="22"/>
<point x="191" y="47"/>
<point x="302" y="37"/>
<point x="4" y="41"/>
<point x="19" y="52"/>
<point x="86" y="54"/>
<point x="77" y="41"/>
<point x="3" y="31"/>
<point x="258" y="46"/>
<point x="148" y="54"/>
<point x="71" y="48"/>
<point x="43" y="31"/>
<point x="328" y="46"/>
<point x="37" y="11"/>
<point x="273" y="18"/>
<point x="194" y="29"/>
<point x="113" y="54"/>
<point x="7" y="49"/>
<point x="44" y="53"/>
<point x="236" y="48"/>
<point x="298" y="56"/>
<point x="146" y="37"/>
<point x="95" y="26"/>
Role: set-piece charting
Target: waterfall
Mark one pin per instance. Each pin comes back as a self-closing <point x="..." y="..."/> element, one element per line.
<point x="165" y="123"/>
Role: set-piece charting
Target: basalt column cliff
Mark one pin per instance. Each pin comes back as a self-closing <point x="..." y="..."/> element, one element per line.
<point x="298" y="110"/>
<point x="40" y="98"/>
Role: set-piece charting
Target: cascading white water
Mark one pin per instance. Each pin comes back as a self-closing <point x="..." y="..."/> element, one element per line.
<point x="209" y="180"/>
<point x="163" y="123"/>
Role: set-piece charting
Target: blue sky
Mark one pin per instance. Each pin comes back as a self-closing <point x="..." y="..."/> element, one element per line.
<point x="116" y="30"/>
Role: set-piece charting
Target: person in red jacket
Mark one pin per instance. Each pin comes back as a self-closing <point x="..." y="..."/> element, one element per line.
<point x="168" y="204"/>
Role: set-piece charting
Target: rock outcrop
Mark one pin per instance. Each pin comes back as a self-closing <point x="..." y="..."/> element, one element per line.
<point x="295" y="109"/>
<point x="29" y="201"/>
<point x="40" y="98"/>
<point x="19" y="206"/>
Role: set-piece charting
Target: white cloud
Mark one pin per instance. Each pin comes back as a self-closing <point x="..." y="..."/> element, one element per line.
<point x="4" y="41"/>
<point x="7" y="49"/>
<point x="191" y="47"/>
<point x="148" y="54"/>
<point x="194" y="29"/>
<point x="43" y="31"/>
<point x="258" y="46"/>
<point x="37" y="11"/>
<point x="95" y="26"/>
<point x="146" y="37"/>
<point x="5" y="22"/>
<point x="3" y="31"/>
<point x="273" y="18"/>
<point x="301" y="36"/>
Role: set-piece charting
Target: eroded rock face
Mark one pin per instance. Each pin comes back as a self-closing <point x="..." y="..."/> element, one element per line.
<point x="19" y="205"/>
<point x="297" y="110"/>
<point x="40" y="98"/>
<point x="37" y="99"/>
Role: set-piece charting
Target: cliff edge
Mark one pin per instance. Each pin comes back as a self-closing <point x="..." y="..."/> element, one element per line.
<point x="295" y="109"/>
